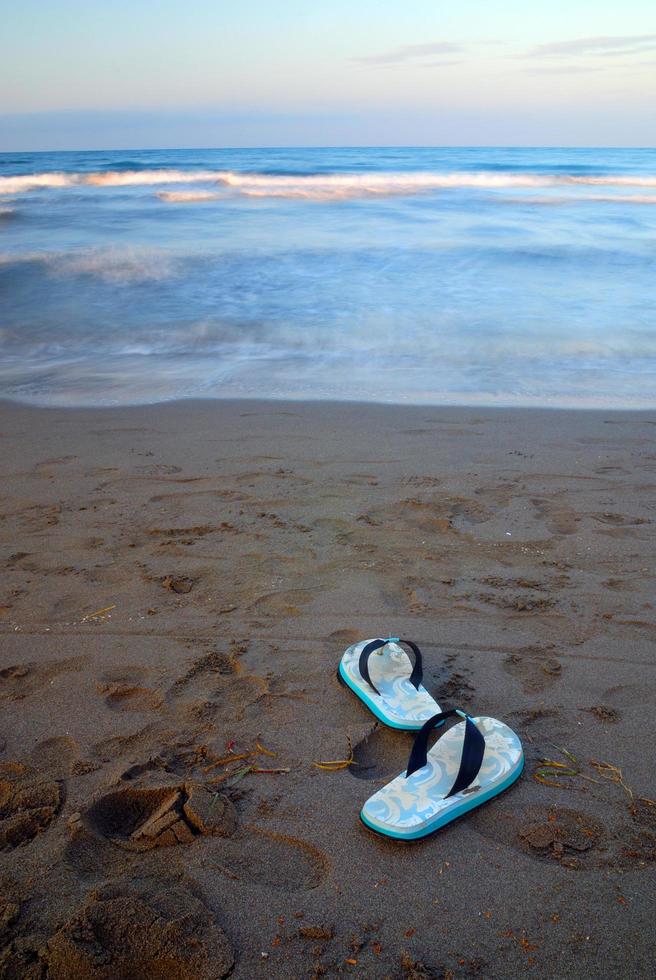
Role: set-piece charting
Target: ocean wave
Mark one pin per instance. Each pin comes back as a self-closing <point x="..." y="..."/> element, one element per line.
<point x="180" y="197"/>
<point x="136" y="178"/>
<point x="587" y="198"/>
<point x="344" y="186"/>
<point x="31" y="182"/>
<point x="109" y="178"/>
<point x="335" y="186"/>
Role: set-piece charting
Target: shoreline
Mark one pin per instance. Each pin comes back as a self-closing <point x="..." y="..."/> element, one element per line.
<point x="182" y="577"/>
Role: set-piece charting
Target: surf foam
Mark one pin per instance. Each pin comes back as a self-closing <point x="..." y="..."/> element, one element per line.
<point x="315" y="186"/>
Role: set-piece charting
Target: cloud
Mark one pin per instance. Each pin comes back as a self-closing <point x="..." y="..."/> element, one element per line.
<point x="411" y="53"/>
<point x="596" y="46"/>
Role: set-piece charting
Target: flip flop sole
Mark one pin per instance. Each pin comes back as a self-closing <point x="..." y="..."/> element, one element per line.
<point x="434" y="826"/>
<point x="409" y="726"/>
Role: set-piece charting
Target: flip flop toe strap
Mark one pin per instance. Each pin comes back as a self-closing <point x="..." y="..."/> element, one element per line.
<point x="473" y="749"/>
<point x="373" y="645"/>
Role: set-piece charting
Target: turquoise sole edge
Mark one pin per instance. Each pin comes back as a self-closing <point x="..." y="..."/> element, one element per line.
<point x="436" y="825"/>
<point x="374" y="708"/>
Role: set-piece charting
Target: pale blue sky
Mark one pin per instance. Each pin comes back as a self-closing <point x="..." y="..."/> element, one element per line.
<point x="132" y="73"/>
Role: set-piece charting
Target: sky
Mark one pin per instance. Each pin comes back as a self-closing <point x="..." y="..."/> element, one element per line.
<point x="113" y="74"/>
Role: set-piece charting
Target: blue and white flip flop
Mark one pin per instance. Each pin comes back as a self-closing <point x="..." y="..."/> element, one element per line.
<point x="389" y="683"/>
<point x="470" y="763"/>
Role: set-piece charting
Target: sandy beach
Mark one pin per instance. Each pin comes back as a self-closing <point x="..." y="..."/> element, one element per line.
<point x="178" y="584"/>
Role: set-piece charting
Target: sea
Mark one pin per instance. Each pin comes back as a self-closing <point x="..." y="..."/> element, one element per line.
<point x="458" y="276"/>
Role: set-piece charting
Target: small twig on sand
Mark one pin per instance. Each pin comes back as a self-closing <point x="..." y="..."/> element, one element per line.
<point x="613" y="773"/>
<point x="98" y="612"/>
<point x="550" y="772"/>
<point x="334" y="765"/>
<point x="226" y="760"/>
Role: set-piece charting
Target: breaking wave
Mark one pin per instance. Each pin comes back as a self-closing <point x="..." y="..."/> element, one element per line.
<point x="588" y="198"/>
<point x="334" y="186"/>
<point x="180" y="197"/>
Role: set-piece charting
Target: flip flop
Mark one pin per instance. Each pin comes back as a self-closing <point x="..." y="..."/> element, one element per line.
<point x="389" y="683"/>
<point x="470" y="763"/>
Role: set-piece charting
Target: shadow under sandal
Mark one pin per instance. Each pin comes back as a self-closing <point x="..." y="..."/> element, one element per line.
<point x="470" y="763"/>
<point x="389" y="682"/>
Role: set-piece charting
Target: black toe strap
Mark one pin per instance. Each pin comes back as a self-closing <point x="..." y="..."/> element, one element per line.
<point x="473" y="749"/>
<point x="373" y="645"/>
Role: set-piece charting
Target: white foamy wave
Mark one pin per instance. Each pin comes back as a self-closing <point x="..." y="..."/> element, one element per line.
<point x="632" y="181"/>
<point x="32" y="182"/>
<point x="128" y="178"/>
<point x="136" y="178"/>
<point x="586" y="198"/>
<point x="316" y="186"/>
<point x="344" y="186"/>
<point x="175" y="197"/>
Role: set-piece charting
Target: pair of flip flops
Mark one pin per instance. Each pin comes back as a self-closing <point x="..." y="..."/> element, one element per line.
<point x="471" y="762"/>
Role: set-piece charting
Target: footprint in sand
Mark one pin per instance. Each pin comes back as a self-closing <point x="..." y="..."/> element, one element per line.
<point x="534" y="669"/>
<point x="556" y="833"/>
<point x="617" y="525"/>
<point x="256" y="856"/>
<point x="630" y="695"/>
<point x="29" y="802"/>
<point x="604" y="714"/>
<point x="55" y="757"/>
<point x="145" y="933"/>
<point x="440" y="513"/>
<point x="130" y="697"/>
<point x="421" y="481"/>
<point x="455" y="689"/>
<point x="141" y="819"/>
<point x="59" y="461"/>
<point x="39" y="517"/>
<point x="379" y="755"/>
<point x="215" y="662"/>
<point x="32" y="793"/>
<point x="624" y="837"/>
<point x="214" y="684"/>
<point x="559" y="519"/>
<point x="338" y="640"/>
<point x="21" y="680"/>
<point x="282" y="604"/>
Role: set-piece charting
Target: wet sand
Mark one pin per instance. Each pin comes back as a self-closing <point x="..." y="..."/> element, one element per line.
<point x="178" y="584"/>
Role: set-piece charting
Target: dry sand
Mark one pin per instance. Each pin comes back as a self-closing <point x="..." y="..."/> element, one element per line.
<point x="236" y="548"/>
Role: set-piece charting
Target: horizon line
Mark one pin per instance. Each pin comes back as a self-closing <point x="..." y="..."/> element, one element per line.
<point x="340" y="146"/>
